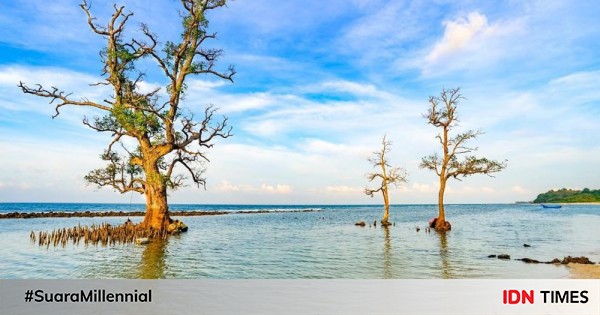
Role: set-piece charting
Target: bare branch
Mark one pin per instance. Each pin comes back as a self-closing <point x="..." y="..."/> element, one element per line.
<point x="56" y="95"/>
<point x="96" y="28"/>
<point x="371" y="192"/>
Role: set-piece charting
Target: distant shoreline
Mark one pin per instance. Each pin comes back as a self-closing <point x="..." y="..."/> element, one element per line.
<point x="92" y="214"/>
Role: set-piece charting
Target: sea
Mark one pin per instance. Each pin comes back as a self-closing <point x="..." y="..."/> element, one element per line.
<point x="283" y="242"/>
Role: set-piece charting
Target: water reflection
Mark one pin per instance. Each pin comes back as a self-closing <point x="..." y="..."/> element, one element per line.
<point x="387" y="254"/>
<point x="444" y="254"/>
<point x="152" y="264"/>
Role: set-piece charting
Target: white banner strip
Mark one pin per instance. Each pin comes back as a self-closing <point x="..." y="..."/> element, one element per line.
<point x="299" y="297"/>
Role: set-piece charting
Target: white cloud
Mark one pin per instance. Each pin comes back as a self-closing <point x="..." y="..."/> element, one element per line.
<point x="581" y="87"/>
<point x="344" y="189"/>
<point x="203" y="85"/>
<point x="348" y="87"/>
<point x="276" y="189"/>
<point x="470" y="43"/>
<point x="226" y="186"/>
<point x="381" y="31"/>
<point x="424" y="188"/>
<point x="459" y="34"/>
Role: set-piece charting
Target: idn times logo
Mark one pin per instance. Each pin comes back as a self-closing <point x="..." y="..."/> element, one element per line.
<point x="548" y="296"/>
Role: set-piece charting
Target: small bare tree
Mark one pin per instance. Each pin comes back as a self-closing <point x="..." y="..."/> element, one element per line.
<point x="442" y="114"/>
<point x="388" y="175"/>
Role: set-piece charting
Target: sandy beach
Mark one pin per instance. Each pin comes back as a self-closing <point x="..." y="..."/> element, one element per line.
<point x="580" y="271"/>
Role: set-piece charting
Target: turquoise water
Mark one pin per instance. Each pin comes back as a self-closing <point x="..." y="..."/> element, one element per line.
<point x="323" y="244"/>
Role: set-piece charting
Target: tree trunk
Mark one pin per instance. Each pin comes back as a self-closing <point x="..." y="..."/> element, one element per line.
<point x="441" y="219"/>
<point x="157" y="209"/>
<point x="384" y="189"/>
<point x="441" y="224"/>
<point x="386" y="202"/>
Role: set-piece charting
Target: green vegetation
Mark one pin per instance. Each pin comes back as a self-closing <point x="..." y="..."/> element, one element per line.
<point x="568" y="195"/>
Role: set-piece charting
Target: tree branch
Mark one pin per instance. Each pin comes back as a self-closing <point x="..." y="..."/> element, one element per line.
<point x="62" y="97"/>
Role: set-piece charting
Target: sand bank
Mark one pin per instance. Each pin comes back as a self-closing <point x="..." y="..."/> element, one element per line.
<point x="580" y="271"/>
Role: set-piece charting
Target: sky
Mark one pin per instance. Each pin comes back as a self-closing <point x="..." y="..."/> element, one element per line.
<point x="318" y="84"/>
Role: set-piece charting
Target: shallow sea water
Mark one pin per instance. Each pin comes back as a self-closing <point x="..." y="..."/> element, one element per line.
<point x="322" y="245"/>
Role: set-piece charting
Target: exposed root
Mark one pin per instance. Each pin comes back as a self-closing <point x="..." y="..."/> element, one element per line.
<point x="103" y="234"/>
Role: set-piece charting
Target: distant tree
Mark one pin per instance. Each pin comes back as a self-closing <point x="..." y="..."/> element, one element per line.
<point x="568" y="196"/>
<point x="167" y="137"/>
<point x="442" y="114"/>
<point x="388" y="175"/>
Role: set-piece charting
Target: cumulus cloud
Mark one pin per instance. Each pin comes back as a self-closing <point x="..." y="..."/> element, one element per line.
<point x="276" y="189"/>
<point x="226" y="186"/>
<point x="458" y="34"/>
<point x="471" y="42"/>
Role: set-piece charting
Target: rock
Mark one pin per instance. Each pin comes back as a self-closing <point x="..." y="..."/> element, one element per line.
<point x="503" y="256"/>
<point x="446" y="226"/>
<point x="576" y="260"/>
<point x="360" y="223"/>
<point x="375" y="223"/>
<point x="142" y="241"/>
<point x="526" y="245"/>
<point x="432" y="222"/>
<point x="492" y="256"/>
<point x="418" y="229"/>
<point x="554" y="261"/>
<point x="176" y="227"/>
<point x="529" y="261"/>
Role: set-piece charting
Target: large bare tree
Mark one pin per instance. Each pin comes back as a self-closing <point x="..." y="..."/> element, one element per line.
<point x="442" y="114"/>
<point x="387" y="175"/>
<point x="166" y="136"/>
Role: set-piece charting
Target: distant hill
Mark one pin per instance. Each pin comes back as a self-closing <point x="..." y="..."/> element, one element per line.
<point x="568" y="196"/>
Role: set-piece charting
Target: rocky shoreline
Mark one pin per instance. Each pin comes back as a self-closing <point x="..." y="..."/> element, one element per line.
<point x="92" y="214"/>
<point x="565" y="261"/>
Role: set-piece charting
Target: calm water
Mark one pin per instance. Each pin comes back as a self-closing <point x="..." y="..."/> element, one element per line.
<point x="323" y="244"/>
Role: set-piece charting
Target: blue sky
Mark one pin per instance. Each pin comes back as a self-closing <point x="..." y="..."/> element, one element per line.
<point x="318" y="84"/>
